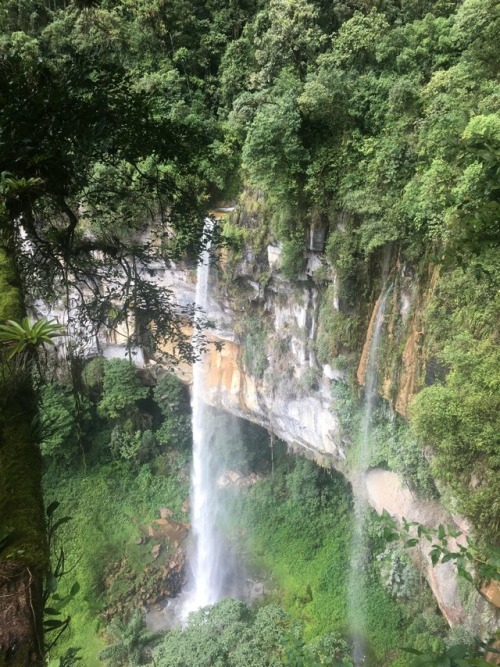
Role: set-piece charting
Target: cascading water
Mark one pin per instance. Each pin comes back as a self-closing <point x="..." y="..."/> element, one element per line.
<point x="358" y="544"/>
<point x="206" y="585"/>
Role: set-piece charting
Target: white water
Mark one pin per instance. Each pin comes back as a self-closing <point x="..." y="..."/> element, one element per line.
<point x="206" y="584"/>
<point x="359" y="555"/>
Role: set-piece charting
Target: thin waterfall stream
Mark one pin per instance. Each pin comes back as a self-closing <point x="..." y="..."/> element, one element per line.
<point x="359" y="544"/>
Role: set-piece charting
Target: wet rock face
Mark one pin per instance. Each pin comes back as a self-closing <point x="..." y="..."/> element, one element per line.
<point x="277" y="383"/>
<point x="267" y="370"/>
<point x="290" y="393"/>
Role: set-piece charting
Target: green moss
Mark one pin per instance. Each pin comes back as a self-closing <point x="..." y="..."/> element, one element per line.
<point x="21" y="506"/>
<point x="338" y="334"/>
<point x="10" y="302"/>
<point x="254" y="351"/>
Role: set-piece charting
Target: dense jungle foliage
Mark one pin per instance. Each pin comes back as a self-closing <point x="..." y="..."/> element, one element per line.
<point x="136" y="442"/>
<point x="377" y="121"/>
<point x="292" y="531"/>
<point x="374" y="121"/>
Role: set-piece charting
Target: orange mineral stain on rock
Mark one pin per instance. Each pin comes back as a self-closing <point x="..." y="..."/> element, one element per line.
<point x="399" y="388"/>
<point x="491" y="591"/>
<point x="225" y="381"/>
<point x="221" y="368"/>
<point x="413" y="360"/>
<point x="410" y="370"/>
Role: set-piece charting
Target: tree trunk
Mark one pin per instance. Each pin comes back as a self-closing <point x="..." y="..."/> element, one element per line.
<point x="23" y="543"/>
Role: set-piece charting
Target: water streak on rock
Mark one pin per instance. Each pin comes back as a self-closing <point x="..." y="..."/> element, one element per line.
<point x="359" y="554"/>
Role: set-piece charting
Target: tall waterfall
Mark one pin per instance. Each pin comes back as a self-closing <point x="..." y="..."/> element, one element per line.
<point x="359" y="545"/>
<point x="206" y="583"/>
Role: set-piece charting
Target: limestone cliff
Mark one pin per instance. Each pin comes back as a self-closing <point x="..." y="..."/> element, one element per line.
<point x="268" y="371"/>
<point x="285" y="353"/>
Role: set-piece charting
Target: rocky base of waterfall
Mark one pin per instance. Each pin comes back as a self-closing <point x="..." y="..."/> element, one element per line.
<point x="153" y="569"/>
<point x="236" y="479"/>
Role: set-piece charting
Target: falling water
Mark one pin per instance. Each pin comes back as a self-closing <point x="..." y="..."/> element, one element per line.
<point x="206" y="583"/>
<point x="358" y="545"/>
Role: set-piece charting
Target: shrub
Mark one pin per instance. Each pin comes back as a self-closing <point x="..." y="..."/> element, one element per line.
<point x="337" y="333"/>
<point x="293" y="256"/>
<point x="122" y="388"/>
<point x="228" y="634"/>
<point x="58" y="422"/>
<point x="254" y="352"/>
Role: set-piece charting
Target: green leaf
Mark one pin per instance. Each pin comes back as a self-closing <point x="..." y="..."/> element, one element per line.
<point x="53" y="624"/>
<point x="458" y="651"/>
<point x="51" y="583"/>
<point x="443" y="661"/>
<point x="449" y="556"/>
<point x="74" y="589"/>
<point x="52" y="508"/>
<point x="391" y="537"/>
<point x="59" y="523"/>
<point x="411" y="543"/>
<point x="465" y="574"/>
<point x="454" y="532"/>
<point x="435" y="555"/>
<point x="50" y="611"/>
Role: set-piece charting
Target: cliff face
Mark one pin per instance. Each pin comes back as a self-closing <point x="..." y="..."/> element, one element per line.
<point x="267" y="371"/>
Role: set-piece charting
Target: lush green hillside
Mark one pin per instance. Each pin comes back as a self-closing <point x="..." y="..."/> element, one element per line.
<point x="377" y="124"/>
<point x="374" y="123"/>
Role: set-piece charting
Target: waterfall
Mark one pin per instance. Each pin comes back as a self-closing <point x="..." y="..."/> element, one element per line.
<point x="359" y="553"/>
<point x="206" y="583"/>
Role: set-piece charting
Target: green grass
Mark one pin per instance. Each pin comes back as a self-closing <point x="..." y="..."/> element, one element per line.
<point x="107" y="504"/>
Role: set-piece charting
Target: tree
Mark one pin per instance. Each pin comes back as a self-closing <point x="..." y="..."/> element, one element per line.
<point x="288" y="36"/>
<point x="228" y="634"/>
<point x="24" y="553"/>
<point x="106" y="161"/>
<point x="122" y="389"/>
<point x="132" y="640"/>
<point x="175" y="431"/>
<point x="80" y="128"/>
<point x="58" y="423"/>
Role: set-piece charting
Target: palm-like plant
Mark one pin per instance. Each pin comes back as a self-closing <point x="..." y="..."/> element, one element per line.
<point x="25" y="337"/>
<point x="131" y="641"/>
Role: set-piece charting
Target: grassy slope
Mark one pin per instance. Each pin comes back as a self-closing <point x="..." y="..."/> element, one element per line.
<point x="106" y="505"/>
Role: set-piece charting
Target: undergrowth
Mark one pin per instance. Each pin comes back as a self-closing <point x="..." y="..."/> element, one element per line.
<point x="298" y="527"/>
<point x="108" y="505"/>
